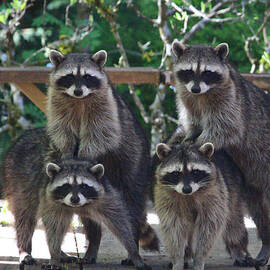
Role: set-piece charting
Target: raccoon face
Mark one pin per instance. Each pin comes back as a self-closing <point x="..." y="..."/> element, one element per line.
<point x="186" y="169"/>
<point x="75" y="187"/>
<point x="78" y="75"/>
<point x="200" y="68"/>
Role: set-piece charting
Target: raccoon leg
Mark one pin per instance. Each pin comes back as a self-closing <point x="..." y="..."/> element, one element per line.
<point x="93" y="235"/>
<point x="236" y="239"/>
<point x="259" y="210"/>
<point x="205" y="235"/>
<point x="25" y="223"/>
<point x="56" y="224"/>
<point x="116" y="218"/>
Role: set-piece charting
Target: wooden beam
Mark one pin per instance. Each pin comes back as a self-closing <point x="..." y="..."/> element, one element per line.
<point x="34" y="94"/>
<point x="136" y="75"/>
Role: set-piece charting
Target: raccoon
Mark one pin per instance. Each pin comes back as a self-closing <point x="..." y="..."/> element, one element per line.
<point x="58" y="192"/>
<point x="87" y="118"/>
<point x="215" y="103"/>
<point x="197" y="197"/>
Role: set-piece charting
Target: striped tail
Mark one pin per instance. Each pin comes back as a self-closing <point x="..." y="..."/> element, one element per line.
<point x="148" y="238"/>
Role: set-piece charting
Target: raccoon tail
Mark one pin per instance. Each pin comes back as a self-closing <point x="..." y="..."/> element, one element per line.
<point x="148" y="238"/>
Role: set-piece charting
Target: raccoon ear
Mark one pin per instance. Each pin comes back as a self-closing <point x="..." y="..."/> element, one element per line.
<point x="207" y="149"/>
<point x="97" y="170"/>
<point x="52" y="169"/>
<point x="163" y="150"/>
<point x="178" y="48"/>
<point x="222" y="50"/>
<point x="56" y="57"/>
<point x="100" y="58"/>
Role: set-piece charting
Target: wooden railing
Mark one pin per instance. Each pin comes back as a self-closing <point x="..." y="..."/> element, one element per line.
<point x="25" y="79"/>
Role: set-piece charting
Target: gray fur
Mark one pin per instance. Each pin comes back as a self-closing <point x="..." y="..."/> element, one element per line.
<point x="196" y="220"/>
<point x="29" y="192"/>
<point x="101" y="126"/>
<point x="235" y="115"/>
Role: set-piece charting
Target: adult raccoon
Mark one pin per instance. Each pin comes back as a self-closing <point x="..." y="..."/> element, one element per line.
<point x="198" y="196"/>
<point x="215" y="103"/>
<point x="69" y="187"/>
<point x="86" y="116"/>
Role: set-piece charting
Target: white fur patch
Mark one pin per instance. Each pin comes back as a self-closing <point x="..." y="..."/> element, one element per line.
<point x="198" y="166"/>
<point x="204" y="87"/>
<point x="92" y="72"/>
<point x="194" y="66"/>
<point x="86" y="91"/>
<point x="183" y="66"/>
<point x="67" y="200"/>
<point x="179" y="188"/>
<point x="22" y="256"/>
<point x="172" y="168"/>
<point x="189" y="86"/>
<point x="213" y="68"/>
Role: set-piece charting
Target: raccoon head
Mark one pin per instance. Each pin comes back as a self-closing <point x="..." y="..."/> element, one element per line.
<point x="186" y="169"/>
<point x="200" y="68"/>
<point x="78" y="75"/>
<point x="75" y="184"/>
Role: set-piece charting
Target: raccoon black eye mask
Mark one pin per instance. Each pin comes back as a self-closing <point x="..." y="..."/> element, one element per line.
<point x="209" y="77"/>
<point x="88" y="80"/>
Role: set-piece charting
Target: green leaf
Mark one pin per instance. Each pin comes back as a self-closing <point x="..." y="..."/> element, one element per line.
<point x="177" y="16"/>
<point x="203" y="7"/>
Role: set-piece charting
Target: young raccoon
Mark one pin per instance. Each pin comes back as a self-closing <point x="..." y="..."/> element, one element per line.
<point x="84" y="111"/>
<point x="197" y="197"/>
<point x="215" y="103"/>
<point x="70" y="187"/>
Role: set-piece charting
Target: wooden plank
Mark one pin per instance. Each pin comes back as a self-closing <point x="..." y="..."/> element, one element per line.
<point x="260" y="80"/>
<point x="135" y="75"/>
<point x="34" y="94"/>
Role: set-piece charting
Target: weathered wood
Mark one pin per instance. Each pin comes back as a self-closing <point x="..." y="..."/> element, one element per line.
<point x="261" y="80"/>
<point x="33" y="93"/>
<point x="136" y="75"/>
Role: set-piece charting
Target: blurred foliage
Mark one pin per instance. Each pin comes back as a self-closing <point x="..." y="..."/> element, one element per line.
<point x="45" y="25"/>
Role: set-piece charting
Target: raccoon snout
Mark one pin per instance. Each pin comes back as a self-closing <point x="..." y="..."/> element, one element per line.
<point x="196" y="89"/>
<point x="187" y="189"/>
<point x="78" y="92"/>
<point x="74" y="199"/>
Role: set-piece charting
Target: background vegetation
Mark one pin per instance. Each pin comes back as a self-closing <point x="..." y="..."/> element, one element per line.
<point x="134" y="33"/>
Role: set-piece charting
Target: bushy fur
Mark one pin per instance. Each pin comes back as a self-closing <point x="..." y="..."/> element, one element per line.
<point x="100" y="126"/>
<point x="194" y="221"/>
<point x="235" y="115"/>
<point x="29" y="192"/>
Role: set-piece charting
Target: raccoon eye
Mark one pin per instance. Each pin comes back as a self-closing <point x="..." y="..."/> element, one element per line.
<point x="91" y="81"/>
<point x="199" y="174"/>
<point x="66" y="81"/>
<point x="185" y="75"/>
<point x="84" y="186"/>
<point x="210" y="77"/>
<point x="61" y="192"/>
<point x="88" y="192"/>
<point x="172" y="178"/>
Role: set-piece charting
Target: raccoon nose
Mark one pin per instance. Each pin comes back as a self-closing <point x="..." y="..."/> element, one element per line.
<point x="187" y="189"/>
<point x="195" y="89"/>
<point x="78" y="92"/>
<point x="74" y="199"/>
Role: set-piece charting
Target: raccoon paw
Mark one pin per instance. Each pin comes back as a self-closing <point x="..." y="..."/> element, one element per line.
<point x="69" y="259"/>
<point x="260" y="262"/>
<point x="127" y="262"/>
<point x="144" y="266"/>
<point x="89" y="260"/>
<point x="245" y="262"/>
<point x="51" y="267"/>
<point x="170" y="266"/>
<point x="28" y="260"/>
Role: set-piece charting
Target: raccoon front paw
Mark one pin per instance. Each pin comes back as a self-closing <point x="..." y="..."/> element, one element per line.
<point x="144" y="266"/>
<point x="28" y="260"/>
<point x="89" y="260"/>
<point x="245" y="262"/>
<point x="260" y="262"/>
<point x="127" y="262"/>
<point x="69" y="259"/>
<point x="51" y="267"/>
<point x="170" y="266"/>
